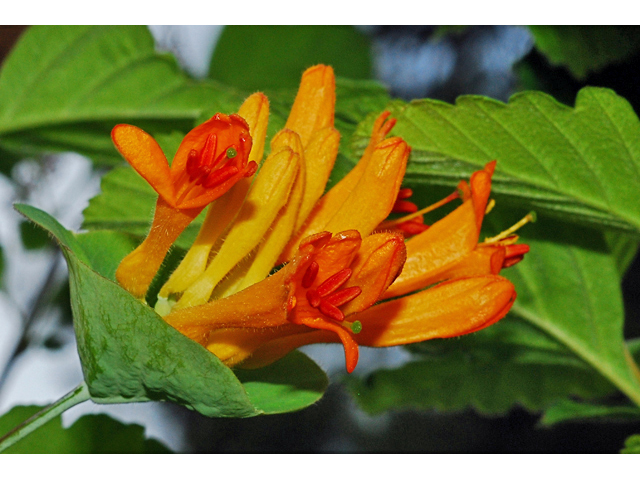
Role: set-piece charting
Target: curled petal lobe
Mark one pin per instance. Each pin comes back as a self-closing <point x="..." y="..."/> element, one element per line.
<point x="221" y="212"/>
<point x="144" y="154"/>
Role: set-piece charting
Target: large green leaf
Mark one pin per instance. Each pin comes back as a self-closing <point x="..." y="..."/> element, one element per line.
<point x="579" y="163"/>
<point x="63" y="88"/>
<point x="571" y="410"/>
<point x="262" y="57"/>
<point x="632" y="445"/>
<point x="129" y="354"/>
<point x="511" y="363"/>
<point x="89" y="434"/>
<point x="586" y="48"/>
<point x="569" y="287"/>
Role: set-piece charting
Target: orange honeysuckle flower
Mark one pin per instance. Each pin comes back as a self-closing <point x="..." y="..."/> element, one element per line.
<point x="211" y="159"/>
<point x="341" y="254"/>
<point x="329" y="280"/>
<point x="449" y="248"/>
<point x="281" y="197"/>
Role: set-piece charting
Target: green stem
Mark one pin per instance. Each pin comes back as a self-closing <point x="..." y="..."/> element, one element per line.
<point x="76" y="396"/>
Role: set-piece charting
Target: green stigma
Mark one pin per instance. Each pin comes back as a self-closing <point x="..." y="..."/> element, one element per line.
<point x="231" y="152"/>
<point x="356" y="327"/>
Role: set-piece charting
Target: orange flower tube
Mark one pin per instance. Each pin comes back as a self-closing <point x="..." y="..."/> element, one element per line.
<point x="210" y="160"/>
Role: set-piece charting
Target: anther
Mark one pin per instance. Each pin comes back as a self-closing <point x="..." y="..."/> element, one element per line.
<point x="193" y="162"/>
<point x="404" y="193"/>
<point x="334" y="282"/>
<point x="331" y="311"/>
<point x="218" y="177"/>
<point x="210" y="145"/>
<point x="252" y="167"/>
<point x="310" y="274"/>
<point x="343" y="296"/>
<point x="313" y="298"/>
<point x="413" y="228"/>
<point x="404" y="206"/>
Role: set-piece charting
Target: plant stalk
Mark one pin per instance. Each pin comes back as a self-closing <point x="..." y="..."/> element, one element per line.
<point x="78" y="395"/>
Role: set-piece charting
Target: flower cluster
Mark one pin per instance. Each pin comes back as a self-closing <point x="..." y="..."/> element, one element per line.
<point x="347" y="273"/>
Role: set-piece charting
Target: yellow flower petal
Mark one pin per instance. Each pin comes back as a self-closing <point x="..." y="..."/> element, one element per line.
<point x="320" y="156"/>
<point x="267" y="196"/>
<point x="221" y="212"/>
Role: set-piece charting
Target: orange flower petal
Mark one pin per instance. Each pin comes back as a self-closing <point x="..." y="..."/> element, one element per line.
<point x="137" y="270"/>
<point x="144" y="154"/>
<point x="314" y="106"/>
<point x="449" y="309"/>
<point x="378" y="263"/>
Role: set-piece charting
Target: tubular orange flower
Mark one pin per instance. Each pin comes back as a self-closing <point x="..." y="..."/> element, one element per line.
<point x="329" y="281"/>
<point x="210" y="160"/>
<point x="449" y="248"/>
<point x="339" y="253"/>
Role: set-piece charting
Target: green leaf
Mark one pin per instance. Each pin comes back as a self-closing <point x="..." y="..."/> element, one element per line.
<point x="33" y="238"/>
<point x="492" y="370"/>
<point x="578" y="411"/>
<point x="623" y="248"/>
<point x="129" y="354"/>
<point x="569" y="287"/>
<point x="274" y="56"/>
<point x="89" y="434"/>
<point x="283" y="387"/>
<point x="631" y="444"/>
<point x="580" y="164"/>
<point x="63" y="88"/>
<point x="586" y="48"/>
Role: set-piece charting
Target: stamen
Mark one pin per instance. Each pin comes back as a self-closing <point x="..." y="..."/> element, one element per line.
<point x="313" y="298"/>
<point x="252" y="167"/>
<point x="334" y="282"/>
<point x="343" y="296"/>
<point x="413" y="228"/>
<point x="218" y="177"/>
<point x="515" y="250"/>
<point x="404" y="193"/>
<point x="490" y="205"/>
<point x="430" y="208"/>
<point x="310" y="274"/>
<point x="193" y="162"/>
<point x="210" y="145"/>
<point x="530" y="217"/>
<point x="331" y="311"/>
<point x="404" y="206"/>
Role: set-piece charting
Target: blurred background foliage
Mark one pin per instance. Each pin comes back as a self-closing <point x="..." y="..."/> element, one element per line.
<point x="547" y="378"/>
